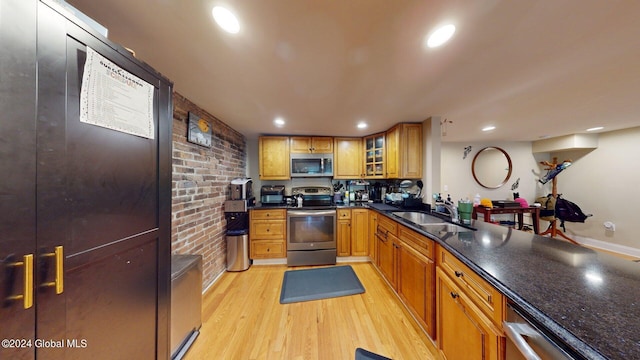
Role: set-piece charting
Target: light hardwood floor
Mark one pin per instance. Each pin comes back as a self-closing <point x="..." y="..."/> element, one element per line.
<point x="243" y="319"/>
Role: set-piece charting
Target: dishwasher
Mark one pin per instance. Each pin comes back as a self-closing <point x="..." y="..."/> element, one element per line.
<point x="526" y="341"/>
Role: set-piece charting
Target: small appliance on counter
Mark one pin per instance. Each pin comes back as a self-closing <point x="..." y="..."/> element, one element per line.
<point x="242" y="189"/>
<point x="272" y="195"/>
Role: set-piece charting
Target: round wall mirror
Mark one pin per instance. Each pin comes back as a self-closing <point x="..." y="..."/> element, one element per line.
<point x="491" y="167"/>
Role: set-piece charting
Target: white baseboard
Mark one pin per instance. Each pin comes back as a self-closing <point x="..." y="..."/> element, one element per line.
<point x="352" y="259"/>
<point x="213" y="282"/>
<point x="278" y="261"/>
<point x="603" y="245"/>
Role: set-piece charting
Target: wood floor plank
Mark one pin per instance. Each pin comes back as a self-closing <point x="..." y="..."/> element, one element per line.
<point x="243" y="319"/>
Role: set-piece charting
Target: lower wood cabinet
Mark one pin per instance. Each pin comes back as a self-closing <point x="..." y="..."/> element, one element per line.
<point x="352" y="232"/>
<point x="454" y="305"/>
<point x="469" y="311"/>
<point x="387" y="257"/>
<point x="415" y="285"/>
<point x="463" y="331"/>
<point x="402" y="261"/>
<point x="267" y="233"/>
<point x="372" y="239"/>
<point x="359" y="232"/>
<point x="343" y="232"/>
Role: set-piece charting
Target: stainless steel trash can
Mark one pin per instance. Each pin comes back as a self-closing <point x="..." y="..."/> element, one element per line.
<point x="238" y="251"/>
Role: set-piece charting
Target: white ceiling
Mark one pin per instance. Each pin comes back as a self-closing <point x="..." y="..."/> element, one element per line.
<point x="530" y="68"/>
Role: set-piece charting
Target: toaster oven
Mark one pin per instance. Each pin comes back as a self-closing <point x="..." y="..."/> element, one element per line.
<point x="272" y="195"/>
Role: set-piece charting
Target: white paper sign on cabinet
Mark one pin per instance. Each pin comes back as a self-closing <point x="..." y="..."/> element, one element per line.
<point x="114" y="98"/>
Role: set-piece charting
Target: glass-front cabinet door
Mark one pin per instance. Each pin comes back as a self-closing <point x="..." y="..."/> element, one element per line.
<point x="374" y="156"/>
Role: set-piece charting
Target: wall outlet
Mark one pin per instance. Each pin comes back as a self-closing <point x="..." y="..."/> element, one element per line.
<point x="609" y="226"/>
<point x="446" y="188"/>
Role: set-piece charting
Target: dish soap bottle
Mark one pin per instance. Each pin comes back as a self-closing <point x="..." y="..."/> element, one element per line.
<point x="476" y="200"/>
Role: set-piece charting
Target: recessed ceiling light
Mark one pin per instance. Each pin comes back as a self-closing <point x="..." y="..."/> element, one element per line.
<point x="225" y="18"/>
<point x="595" y="128"/>
<point x="279" y="122"/>
<point x="362" y="125"/>
<point x="441" y="35"/>
<point x="488" y="128"/>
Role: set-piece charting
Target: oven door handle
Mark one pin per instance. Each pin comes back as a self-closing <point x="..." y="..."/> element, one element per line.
<point x="516" y="332"/>
<point x="310" y="212"/>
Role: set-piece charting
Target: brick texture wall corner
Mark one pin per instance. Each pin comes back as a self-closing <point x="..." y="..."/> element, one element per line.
<point x="200" y="185"/>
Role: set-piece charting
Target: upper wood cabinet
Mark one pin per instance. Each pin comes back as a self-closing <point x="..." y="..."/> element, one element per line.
<point x="347" y="158"/>
<point x="404" y="151"/>
<point x="374" y="156"/>
<point x="394" y="154"/>
<point x="311" y="145"/>
<point x="274" y="157"/>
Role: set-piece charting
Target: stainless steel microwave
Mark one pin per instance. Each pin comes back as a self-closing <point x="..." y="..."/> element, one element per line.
<point x="311" y="165"/>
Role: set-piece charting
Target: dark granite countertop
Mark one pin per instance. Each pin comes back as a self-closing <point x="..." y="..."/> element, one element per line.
<point x="587" y="300"/>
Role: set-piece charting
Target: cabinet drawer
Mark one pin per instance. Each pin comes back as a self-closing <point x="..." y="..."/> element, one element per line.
<point x="268" y="229"/>
<point x="266" y="249"/>
<point x="419" y="242"/>
<point x="387" y="225"/>
<point x="485" y="296"/>
<point x="344" y="214"/>
<point x="271" y="214"/>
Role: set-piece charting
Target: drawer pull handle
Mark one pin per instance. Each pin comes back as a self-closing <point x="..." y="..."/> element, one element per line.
<point x="459" y="273"/>
<point x="27" y="265"/>
<point x="454" y="295"/>
<point x="58" y="282"/>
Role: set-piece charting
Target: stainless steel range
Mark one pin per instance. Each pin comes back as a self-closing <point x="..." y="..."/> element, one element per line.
<point x="316" y="196"/>
<point x="311" y="229"/>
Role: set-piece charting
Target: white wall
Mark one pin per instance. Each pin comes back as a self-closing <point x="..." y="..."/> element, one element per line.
<point x="605" y="182"/>
<point x="457" y="176"/>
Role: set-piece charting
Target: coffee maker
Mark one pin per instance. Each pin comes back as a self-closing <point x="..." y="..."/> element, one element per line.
<point x="377" y="192"/>
<point x="242" y="191"/>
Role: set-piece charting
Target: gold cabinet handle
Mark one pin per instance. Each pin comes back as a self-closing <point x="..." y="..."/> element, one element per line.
<point x="27" y="297"/>
<point x="58" y="282"/>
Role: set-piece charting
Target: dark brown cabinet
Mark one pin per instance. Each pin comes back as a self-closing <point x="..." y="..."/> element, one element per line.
<point x="84" y="210"/>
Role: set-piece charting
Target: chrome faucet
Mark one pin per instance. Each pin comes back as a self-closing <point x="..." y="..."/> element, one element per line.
<point x="453" y="211"/>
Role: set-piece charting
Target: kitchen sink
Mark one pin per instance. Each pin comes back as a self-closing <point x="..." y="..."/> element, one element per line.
<point x="431" y="224"/>
<point x="443" y="228"/>
<point x="418" y="218"/>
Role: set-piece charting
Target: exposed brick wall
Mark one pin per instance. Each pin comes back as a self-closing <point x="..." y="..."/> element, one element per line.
<point x="200" y="185"/>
